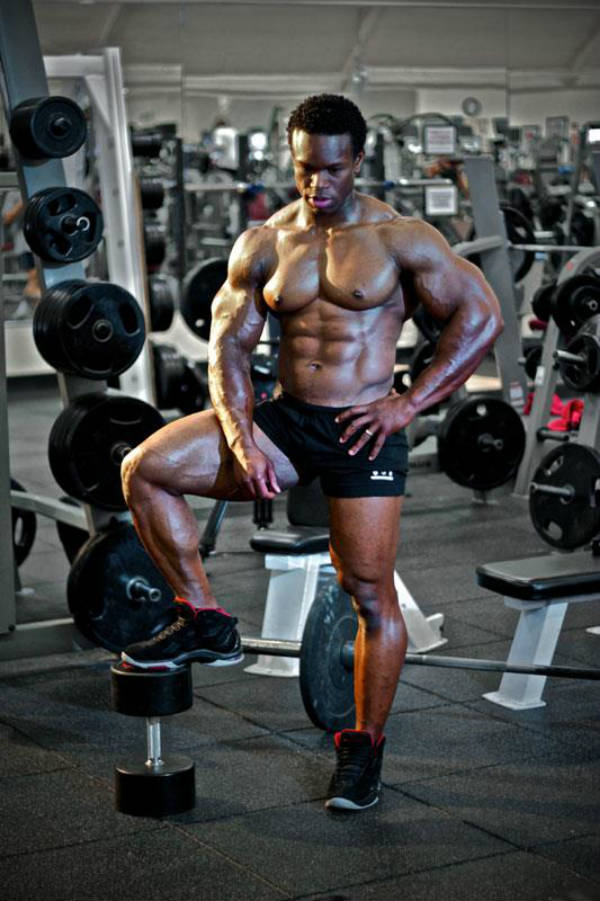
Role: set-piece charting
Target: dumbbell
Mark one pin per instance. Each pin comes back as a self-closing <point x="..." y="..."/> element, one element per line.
<point x="162" y="784"/>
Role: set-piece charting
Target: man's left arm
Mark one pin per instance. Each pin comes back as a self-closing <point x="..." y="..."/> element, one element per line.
<point x="454" y="292"/>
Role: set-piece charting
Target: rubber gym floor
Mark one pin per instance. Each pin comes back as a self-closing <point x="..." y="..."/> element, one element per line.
<point x="478" y="802"/>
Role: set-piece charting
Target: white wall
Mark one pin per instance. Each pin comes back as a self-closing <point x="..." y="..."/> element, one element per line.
<point x="449" y="100"/>
<point x="196" y="114"/>
<point x="580" y="105"/>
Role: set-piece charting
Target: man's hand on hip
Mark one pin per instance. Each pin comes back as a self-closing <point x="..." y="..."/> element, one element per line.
<point x="375" y="421"/>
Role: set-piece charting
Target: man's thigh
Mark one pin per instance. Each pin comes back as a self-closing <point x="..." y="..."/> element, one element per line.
<point x="364" y="533"/>
<point x="191" y="456"/>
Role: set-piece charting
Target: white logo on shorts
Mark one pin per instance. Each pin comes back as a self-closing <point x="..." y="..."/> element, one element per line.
<point x="383" y="476"/>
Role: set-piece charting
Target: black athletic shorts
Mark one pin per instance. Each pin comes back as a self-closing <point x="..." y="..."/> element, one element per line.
<point x="309" y="437"/>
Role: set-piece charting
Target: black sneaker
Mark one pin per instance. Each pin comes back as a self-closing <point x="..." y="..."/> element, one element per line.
<point x="208" y="636"/>
<point x="356" y="781"/>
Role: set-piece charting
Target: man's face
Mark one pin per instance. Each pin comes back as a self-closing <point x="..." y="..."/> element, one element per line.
<point x="324" y="169"/>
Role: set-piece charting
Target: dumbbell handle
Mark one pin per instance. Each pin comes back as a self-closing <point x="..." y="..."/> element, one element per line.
<point x="568" y="357"/>
<point x="566" y="491"/>
<point x="153" y="742"/>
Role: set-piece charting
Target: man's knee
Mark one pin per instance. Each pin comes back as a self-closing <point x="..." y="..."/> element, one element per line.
<point x="138" y="471"/>
<point x="373" y="594"/>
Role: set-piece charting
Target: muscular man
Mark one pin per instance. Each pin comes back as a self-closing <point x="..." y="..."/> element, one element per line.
<point x="341" y="271"/>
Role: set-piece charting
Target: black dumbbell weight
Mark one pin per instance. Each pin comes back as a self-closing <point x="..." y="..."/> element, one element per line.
<point x="162" y="784"/>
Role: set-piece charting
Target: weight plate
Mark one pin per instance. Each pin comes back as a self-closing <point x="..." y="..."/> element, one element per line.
<point x="24" y="527"/>
<point x="152" y="193"/>
<point x="162" y="303"/>
<point x="541" y="303"/>
<point x="583" y="375"/>
<point x="519" y="230"/>
<point x="48" y="127"/>
<point x="481" y="442"/>
<point x="98" y="590"/>
<point x="155" y="243"/>
<point x="572" y="520"/>
<point x="575" y="301"/>
<point x="169" y="371"/>
<point x="327" y="687"/>
<point x="148" y="145"/>
<point x="533" y="358"/>
<point x="93" y="329"/>
<point x="62" y="225"/>
<point x="197" y="294"/>
<point x="89" y="440"/>
<point x="71" y="538"/>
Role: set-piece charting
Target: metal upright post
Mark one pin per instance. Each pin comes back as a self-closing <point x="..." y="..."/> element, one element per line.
<point x="7" y="565"/>
<point x="496" y="267"/>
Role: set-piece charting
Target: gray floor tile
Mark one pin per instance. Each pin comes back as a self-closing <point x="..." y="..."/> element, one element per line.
<point x="581" y="854"/>
<point x="159" y="863"/>
<point x="64" y="807"/>
<point x="526" y="802"/>
<point x="312" y="850"/>
<point x="505" y="877"/>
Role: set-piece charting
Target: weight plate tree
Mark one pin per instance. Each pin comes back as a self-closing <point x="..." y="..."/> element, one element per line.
<point x="92" y="329"/>
<point x="114" y="591"/>
<point x="481" y="442"/>
<point x="89" y="440"/>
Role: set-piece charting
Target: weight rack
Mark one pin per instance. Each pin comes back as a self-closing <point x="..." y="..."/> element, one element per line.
<point x="25" y="78"/>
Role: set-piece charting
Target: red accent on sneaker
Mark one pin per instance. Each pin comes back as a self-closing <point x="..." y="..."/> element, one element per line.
<point x="338" y="736"/>
<point x="180" y="600"/>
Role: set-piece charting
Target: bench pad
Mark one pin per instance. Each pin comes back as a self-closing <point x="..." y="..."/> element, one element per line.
<point x="293" y="540"/>
<point x="543" y="578"/>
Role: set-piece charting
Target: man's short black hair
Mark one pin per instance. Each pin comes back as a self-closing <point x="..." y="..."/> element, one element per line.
<point x="329" y="114"/>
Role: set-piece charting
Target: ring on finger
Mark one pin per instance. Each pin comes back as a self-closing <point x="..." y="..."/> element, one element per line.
<point x="369" y="433"/>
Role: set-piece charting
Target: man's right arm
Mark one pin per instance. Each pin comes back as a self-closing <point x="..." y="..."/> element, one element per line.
<point x="238" y="317"/>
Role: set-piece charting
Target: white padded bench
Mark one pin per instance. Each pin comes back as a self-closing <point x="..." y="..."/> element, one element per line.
<point x="297" y="557"/>
<point x="540" y="588"/>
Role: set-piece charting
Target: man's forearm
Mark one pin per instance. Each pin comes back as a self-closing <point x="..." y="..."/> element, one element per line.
<point x="462" y="345"/>
<point x="231" y="391"/>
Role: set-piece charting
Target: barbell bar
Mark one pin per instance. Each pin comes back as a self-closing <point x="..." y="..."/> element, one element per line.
<point x="280" y="648"/>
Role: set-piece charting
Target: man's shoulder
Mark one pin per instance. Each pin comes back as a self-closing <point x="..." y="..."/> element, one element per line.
<point x="286" y="216"/>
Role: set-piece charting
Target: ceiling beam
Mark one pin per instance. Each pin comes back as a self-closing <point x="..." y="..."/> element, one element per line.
<point x="591" y="5"/>
<point x="381" y="78"/>
<point x="368" y="19"/>
<point x="581" y="55"/>
<point x="109" y="23"/>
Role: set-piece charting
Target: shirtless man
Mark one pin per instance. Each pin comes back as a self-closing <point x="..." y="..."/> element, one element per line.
<point x="341" y="271"/>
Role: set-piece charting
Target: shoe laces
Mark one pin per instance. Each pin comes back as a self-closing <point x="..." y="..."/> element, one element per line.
<point x="351" y="760"/>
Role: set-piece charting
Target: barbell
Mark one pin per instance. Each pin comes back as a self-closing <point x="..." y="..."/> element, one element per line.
<point x="118" y="597"/>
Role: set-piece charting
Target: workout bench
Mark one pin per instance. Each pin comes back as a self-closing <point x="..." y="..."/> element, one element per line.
<point x="298" y="558"/>
<point x="541" y="588"/>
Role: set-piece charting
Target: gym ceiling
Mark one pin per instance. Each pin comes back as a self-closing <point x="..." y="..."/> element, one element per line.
<point x="279" y="48"/>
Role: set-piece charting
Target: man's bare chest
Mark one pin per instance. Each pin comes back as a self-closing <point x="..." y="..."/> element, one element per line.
<point x="350" y="269"/>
